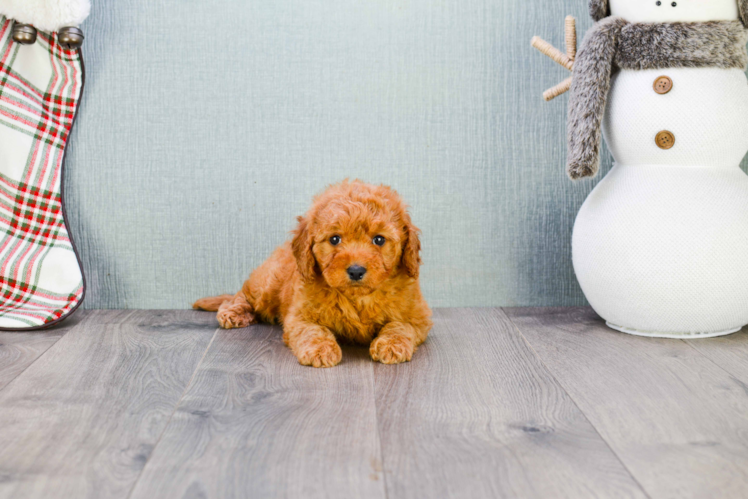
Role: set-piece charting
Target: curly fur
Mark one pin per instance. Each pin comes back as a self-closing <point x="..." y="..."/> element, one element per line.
<point x="305" y="287"/>
<point x="46" y="15"/>
<point x="615" y="43"/>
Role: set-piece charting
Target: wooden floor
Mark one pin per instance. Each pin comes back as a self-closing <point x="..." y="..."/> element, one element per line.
<point x="497" y="403"/>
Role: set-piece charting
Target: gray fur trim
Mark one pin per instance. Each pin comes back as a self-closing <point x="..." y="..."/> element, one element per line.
<point x="589" y="92"/>
<point x="718" y="44"/>
<point x="613" y="42"/>
<point x="599" y="9"/>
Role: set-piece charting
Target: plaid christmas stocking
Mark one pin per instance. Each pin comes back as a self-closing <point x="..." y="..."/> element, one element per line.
<point x="41" y="281"/>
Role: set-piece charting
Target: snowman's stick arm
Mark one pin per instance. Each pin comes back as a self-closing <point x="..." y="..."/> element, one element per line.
<point x="571" y="37"/>
<point x="556" y="91"/>
<point x="565" y="60"/>
<point x="552" y="52"/>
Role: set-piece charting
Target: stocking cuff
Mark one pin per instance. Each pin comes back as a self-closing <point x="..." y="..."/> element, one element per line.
<point x="46" y="15"/>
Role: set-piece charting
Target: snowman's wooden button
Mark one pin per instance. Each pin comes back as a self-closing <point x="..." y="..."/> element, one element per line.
<point x="665" y="140"/>
<point x="663" y="85"/>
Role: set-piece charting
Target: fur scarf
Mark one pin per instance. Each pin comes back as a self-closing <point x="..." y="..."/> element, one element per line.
<point x="615" y="43"/>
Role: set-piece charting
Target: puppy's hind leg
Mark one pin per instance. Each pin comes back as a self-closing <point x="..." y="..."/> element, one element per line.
<point x="236" y="312"/>
<point x="211" y="303"/>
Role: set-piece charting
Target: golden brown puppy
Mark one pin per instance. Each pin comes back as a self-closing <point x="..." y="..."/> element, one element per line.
<point x="350" y="272"/>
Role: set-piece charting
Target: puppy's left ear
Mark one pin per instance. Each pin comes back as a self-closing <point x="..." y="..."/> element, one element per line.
<point x="301" y="245"/>
<point x="411" y="258"/>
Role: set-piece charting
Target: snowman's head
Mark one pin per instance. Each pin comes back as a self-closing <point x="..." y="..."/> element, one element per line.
<point x="668" y="11"/>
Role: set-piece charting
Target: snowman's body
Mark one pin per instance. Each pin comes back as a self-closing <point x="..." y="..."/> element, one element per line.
<point x="660" y="247"/>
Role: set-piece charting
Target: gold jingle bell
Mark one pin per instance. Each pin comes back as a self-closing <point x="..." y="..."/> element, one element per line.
<point x="70" y="38"/>
<point x="25" y="34"/>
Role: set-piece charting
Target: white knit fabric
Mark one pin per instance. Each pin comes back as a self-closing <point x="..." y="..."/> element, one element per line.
<point x="660" y="245"/>
<point x="706" y="111"/>
<point x="647" y="11"/>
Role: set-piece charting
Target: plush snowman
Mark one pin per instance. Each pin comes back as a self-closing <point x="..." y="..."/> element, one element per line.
<point x="660" y="246"/>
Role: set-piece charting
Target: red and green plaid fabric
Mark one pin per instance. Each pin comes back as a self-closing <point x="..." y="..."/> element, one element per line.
<point x="40" y="87"/>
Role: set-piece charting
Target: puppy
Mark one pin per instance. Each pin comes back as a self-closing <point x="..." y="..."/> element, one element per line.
<point x="349" y="273"/>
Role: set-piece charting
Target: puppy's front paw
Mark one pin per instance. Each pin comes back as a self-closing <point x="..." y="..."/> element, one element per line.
<point x="391" y="349"/>
<point x="229" y="318"/>
<point x="320" y="353"/>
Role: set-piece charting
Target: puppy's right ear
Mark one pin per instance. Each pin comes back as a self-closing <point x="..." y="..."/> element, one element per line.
<point x="411" y="249"/>
<point x="301" y="245"/>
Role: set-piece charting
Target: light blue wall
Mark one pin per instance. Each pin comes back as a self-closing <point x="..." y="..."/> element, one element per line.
<point x="207" y="126"/>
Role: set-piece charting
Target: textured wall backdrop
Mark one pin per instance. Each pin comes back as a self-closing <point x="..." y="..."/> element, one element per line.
<point x="207" y="126"/>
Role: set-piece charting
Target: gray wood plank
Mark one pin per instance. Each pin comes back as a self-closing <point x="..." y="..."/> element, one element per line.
<point x="18" y="350"/>
<point x="83" y="419"/>
<point x="255" y="423"/>
<point x="675" y="418"/>
<point x="730" y="353"/>
<point x="475" y="414"/>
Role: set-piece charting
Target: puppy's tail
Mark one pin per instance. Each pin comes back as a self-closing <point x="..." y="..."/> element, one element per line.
<point x="211" y="303"/>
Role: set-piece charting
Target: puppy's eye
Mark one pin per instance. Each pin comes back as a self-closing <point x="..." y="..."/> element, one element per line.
<point x="335" y="240"/>
<point x="379" y="240"/>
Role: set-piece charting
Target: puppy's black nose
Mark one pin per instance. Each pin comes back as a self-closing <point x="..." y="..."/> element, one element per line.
<point x="356" y="272"/>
